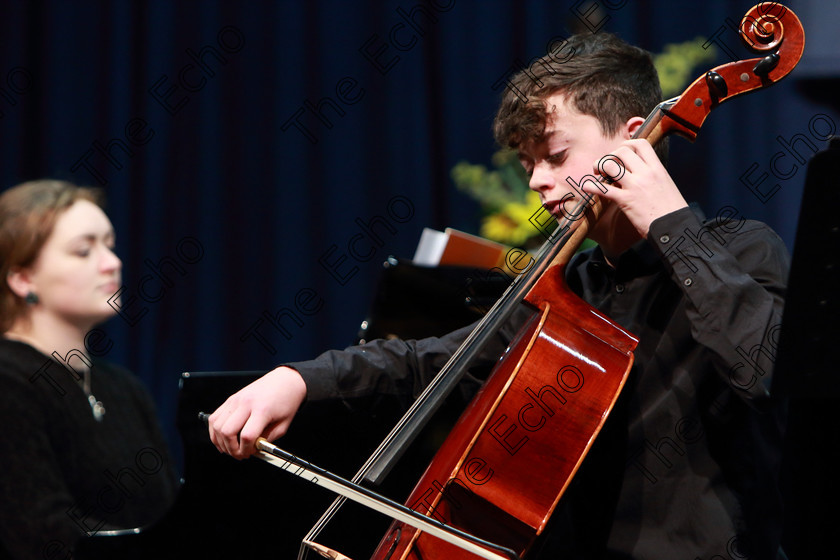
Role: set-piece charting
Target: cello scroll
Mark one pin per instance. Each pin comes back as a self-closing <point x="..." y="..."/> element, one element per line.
<point x="768" y="28"/>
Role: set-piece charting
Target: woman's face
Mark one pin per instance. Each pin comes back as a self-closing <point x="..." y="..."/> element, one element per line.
<point x="77" y="272"/>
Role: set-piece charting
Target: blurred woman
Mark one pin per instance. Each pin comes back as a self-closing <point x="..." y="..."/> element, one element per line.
<point x="81" y="448"/>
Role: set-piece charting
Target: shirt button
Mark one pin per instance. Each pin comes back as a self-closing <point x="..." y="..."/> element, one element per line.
<point x="665" y="239"/>
<point x="687" y="281"/>
<point x="619" y="288"/>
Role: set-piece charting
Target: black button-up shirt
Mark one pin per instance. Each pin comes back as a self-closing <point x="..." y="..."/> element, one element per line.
<point x="686" y="466"/>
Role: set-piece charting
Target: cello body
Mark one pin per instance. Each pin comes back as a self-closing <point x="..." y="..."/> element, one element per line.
<point x="507" y="461"/>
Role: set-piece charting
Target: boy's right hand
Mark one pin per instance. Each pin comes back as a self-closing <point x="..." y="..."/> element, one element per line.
<point x="265" y="408"/>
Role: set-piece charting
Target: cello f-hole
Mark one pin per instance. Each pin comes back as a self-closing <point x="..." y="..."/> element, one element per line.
<point x="397" y="534"/>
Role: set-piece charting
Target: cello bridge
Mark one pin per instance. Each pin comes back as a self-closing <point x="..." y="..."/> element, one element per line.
<point x="325" y="551"/>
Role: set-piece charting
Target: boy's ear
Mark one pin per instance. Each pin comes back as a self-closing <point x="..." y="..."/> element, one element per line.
<point x="632" y="125"/>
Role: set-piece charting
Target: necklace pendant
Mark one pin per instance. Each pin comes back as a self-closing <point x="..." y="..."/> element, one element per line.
<point x="97" y="407"/>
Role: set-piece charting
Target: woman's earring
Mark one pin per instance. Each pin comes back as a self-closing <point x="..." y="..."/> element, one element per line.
<point x="31" y="298"/>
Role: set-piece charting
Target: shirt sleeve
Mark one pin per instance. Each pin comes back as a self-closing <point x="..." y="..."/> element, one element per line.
<point x="733" y="273"/>
<point x="396" y="367"/>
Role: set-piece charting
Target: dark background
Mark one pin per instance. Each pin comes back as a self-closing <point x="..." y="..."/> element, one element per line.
<point x="209" y="182"/>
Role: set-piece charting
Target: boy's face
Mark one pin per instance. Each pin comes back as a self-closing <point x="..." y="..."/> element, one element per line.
<point x="570" y="149"/>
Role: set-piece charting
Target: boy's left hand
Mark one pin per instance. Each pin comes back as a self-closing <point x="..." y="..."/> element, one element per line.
<point x="643" y="190"/>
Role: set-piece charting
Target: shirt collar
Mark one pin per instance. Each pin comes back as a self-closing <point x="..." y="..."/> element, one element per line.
<point x="640" y="259"/>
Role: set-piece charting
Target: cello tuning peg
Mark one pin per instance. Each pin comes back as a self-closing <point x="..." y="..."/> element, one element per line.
<point x="766" y="65"/>
<point x="717" y="86"/>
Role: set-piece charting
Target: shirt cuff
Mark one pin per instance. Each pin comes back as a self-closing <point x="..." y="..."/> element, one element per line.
<point x="680" y="237"/>
<point x="320" y="381"/>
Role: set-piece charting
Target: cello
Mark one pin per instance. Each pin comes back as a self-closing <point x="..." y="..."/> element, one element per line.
<point x="560" y="378"/>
